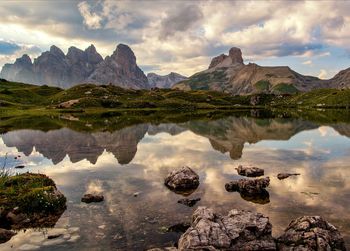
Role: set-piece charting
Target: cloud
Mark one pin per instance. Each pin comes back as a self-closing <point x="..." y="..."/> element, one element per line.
<point x="307" y="62"/>
<point x="180" y="21"/>
<point x="91" y="20"/>
<point x="8" y="48"/>
<point x="323" y="74"/>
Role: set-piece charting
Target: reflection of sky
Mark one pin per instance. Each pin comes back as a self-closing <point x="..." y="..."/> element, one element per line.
<point x="319" y="155"/>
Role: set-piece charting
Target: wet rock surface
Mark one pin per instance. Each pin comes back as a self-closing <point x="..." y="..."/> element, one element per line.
<point x="239" y="230"/>
<point x="310" y="233"/>
<point x="184" y="180"/>
<point x="282" y="176"/>
<point x="89" y="198"/>
<point x="248" y="186"/>
<point x="189" y="202"/>
<point x="250" y="171"/>
<point x="6" y="235"/>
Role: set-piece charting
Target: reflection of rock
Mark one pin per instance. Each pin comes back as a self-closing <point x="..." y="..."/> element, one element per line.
<point x="259" y="198"/>
<point x="189" y="202"/>
<point x="184" y="180"/>
<point x="282" y="176"/>
<point x="230" y="134"/>
<point x="250" y="171"/>
<point x="239" y="230"/>
<point x="310" y="233"/>
<point x="247" y="186"/>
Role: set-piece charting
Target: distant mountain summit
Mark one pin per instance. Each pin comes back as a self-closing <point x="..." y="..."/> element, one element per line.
<point x="55" y="68"/>
<point x="166" y="81"/>
<point x="228" y="73"/>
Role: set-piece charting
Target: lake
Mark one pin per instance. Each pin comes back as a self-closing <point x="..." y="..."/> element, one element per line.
<point x="128" y="165"/>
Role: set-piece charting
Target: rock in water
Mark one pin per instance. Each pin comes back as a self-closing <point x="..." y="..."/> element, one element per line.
<point x="88" y="198"/>
<point x="248" y="186"/>
<point x="310" y="233"/>
<point x="239" y="230"/>
<point x="250" y="171"/>
<point x="6" y="235"/>
<point x="282" y="176"/>
<point x="183" y="180"/>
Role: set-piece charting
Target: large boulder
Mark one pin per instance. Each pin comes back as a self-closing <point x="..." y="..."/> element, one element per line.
<point x="182" y="180"/>
<point x="310" y="233"/>
<point x="239" y="230"/>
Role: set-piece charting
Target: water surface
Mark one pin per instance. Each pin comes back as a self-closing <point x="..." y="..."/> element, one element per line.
<point x="135" y="159"/>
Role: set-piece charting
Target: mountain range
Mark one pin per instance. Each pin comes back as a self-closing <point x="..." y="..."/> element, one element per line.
<point x="226" y="73"/>
<point x="54" y="68"/>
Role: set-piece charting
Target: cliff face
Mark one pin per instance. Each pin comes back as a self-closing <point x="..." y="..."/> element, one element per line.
<point x="55" y="68"/>
<point x="166" y="81"/>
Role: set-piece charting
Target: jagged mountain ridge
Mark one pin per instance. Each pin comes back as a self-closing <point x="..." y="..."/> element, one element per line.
<point x="55" y="68"/>
<point x="166" y="81"/>
<point x="228" y="73"/>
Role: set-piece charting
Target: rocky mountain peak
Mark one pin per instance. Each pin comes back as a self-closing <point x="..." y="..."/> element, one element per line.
<point x="24" y="61"/>
<point x="236" y="55"/>
<point x="56" y="51"/>
<point x="123" y="54"/>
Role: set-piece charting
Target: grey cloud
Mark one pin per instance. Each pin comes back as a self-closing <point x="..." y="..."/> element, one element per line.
<point x="180" y="20"/>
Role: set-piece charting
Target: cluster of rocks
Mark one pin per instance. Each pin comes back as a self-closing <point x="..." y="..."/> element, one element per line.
<point x="245" y="230"/>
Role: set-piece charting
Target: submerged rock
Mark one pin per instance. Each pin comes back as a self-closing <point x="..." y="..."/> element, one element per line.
<point x="259" y="198"/>
<point x="6" y="235"/>
<point x="310" y="233"/>
<point x="189" y="202"/>
<point x="239" y="230"/>
<point x="89" y="198"/>
<point x="248" y="186"/>
<point x="250" y="171"/>
<point x="282" y="176"/>
<point x="184" y="180"/>
<point x="179" y="228"/>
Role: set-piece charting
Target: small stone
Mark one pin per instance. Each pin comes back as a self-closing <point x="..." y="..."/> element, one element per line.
<point x="89" y="198"/>
<point x="282" y="176"/>
<point x="248" y="186"/>
<point x="20" y="167"/>
<point x="250" y="171"/>
<point x="136" y="194"/>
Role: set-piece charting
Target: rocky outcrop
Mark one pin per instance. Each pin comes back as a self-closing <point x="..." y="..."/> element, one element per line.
<point x="184" y="180"/>
<point x="228" y="73"/>
<point x="239" y="230"/>
<point x="166" y="81"/>
<point x="55" y="68"/>
<point x="250" y="171"/>
<point x="310" y="233"/>
<point x="120" y="69"/>
<point x="189" y="202"/>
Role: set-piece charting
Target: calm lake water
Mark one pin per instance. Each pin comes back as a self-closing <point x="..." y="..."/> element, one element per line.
<point x="136" y="159"/>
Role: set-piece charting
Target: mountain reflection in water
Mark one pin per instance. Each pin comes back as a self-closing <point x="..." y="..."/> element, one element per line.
<point x="136" y="159"/>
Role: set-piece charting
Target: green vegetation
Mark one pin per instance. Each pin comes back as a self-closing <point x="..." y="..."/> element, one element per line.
<point x="201" y="81"/>
<point x="262" y="85"/>
<point x="284" y="89"/>
<point x="34" y="195"/>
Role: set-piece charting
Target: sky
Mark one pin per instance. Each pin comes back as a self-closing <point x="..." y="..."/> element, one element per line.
<point x="312" y="37"/>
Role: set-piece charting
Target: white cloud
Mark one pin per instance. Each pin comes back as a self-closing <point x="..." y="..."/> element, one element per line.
<point x="323" y="74"/>
<point x="307" y="62"/>
<point x="91" y="20"/>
